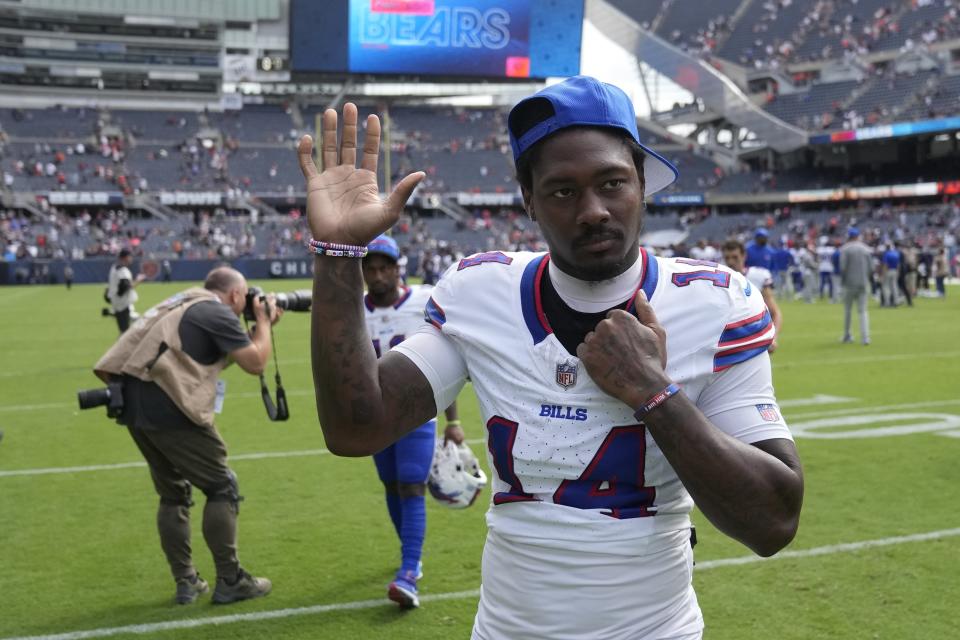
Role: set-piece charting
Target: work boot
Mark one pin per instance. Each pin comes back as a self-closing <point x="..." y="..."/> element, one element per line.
<point x="244" y="587"/>
<point x="188" y="589"/>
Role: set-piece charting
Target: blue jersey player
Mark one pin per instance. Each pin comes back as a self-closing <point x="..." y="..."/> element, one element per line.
<point x="394" y="311"/>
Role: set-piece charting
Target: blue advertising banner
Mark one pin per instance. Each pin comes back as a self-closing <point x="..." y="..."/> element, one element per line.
<point x="471" y="38"/>
<point x="679" y="198"/>
<point x="895" y="130"/>
<point x="96" y="269"/>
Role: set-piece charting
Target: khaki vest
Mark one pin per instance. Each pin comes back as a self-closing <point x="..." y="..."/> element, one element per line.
<point x="151" y="351"/>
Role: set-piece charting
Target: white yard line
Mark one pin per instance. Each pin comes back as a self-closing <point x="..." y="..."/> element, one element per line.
<point x="277" y="614"/>
<point x="133" y="465"/>
<point x="835" y="413"/>
<point x="73" y="405"/>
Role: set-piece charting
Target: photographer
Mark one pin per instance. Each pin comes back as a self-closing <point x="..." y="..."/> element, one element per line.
<point x="120" y="289"/>
<point x="168" y="364"/>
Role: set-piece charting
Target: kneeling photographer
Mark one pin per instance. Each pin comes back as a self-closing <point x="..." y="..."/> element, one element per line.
<point x="166" y="368"/>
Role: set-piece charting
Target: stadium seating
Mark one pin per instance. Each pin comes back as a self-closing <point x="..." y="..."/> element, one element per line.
<point x="644" y="12"/>
<point x="156" y="126"/>
<point x="918" y="20"/>
<point x="763" y="25"/>
<point x="697" y="30"/>
<point x="55" y="122"/>
<point x="806" y="107"/>
<point x="256" y="123"/>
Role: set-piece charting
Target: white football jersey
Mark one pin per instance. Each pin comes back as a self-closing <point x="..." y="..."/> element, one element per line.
<point x="119" y="303"/>
<point x="759" y="277"/>
<point x="389" y="326"/>
<point x="825" y="258"/>
<point x="573" y="471"/>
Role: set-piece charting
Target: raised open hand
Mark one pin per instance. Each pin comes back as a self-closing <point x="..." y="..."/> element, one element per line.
<point x="343" y="201"/>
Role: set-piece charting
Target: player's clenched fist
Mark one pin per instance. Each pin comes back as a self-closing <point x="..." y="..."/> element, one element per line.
<point x="343" y="201"/>
<point x="626" y="354"/>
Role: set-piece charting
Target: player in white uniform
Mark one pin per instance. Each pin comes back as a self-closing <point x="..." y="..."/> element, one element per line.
<point x="393" y="312"/>
<point x="734" y="256"/>
<point x="121" y="293"/>
<point x="617" y="388"/>
<point x="825" y="253"/>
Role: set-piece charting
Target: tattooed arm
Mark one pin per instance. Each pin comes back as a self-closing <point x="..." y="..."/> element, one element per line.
<point x="363" y="404"/>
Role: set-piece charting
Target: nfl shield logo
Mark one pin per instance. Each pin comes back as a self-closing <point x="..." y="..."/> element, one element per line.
<point x="768" y="412"/>
<point x="567" y="374"/>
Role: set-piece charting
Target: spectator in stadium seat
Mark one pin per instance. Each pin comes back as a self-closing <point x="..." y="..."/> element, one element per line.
<point x="169" y="364"/>
<point x="561" y="348"/>
<point x="856" y="266"/>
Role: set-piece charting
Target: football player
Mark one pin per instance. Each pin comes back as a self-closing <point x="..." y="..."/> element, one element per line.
<point x="618" y="389"/>
<point x="394" y="311"/>
<point x="734" y="256"/>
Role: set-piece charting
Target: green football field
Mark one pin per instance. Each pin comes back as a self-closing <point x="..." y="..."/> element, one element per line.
<point x="877" y="555"/>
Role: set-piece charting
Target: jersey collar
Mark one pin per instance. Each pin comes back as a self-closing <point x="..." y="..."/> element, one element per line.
<point x="405" y="293"/>
<point x="532" y="305"/>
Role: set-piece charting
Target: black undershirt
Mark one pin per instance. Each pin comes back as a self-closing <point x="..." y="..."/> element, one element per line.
<point x="569" y="325"/>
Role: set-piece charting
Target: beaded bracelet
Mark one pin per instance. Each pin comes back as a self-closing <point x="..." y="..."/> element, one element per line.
<point x="336" y="250"/>
<point x="657" y="400"/>
<point x="337" y="253"/>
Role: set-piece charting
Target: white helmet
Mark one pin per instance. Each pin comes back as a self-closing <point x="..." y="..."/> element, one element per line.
<point x="455" y="475"/>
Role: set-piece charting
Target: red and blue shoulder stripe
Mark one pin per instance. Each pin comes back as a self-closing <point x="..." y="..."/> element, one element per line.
<point x="743" y="340"/>
<point x="434" y="314"/>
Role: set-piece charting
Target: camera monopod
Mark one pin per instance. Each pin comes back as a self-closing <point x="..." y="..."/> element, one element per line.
<point x="276" y="412"/>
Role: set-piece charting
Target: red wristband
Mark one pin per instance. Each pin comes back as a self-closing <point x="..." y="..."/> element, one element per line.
<point x="657" y="400"/>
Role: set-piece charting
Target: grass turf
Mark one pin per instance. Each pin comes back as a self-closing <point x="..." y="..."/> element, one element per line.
<point x="79" y="550"/>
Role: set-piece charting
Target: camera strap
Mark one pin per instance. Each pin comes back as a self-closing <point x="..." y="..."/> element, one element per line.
<point x="275" y="412"/>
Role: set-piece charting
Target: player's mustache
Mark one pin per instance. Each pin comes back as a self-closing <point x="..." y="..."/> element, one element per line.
<point x="597" y="235"/>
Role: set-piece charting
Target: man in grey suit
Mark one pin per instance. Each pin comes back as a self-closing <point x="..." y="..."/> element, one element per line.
<point x="856" y="265"/>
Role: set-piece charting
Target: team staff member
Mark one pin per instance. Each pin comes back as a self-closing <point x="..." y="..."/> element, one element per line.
<point x="734" y="255"/>
<point x="394" y="311"/>
<point x="759" y="253"/>
<point x="169" y="362"/>
<point x="856" y="265"/>
<point x="599" y="441"/>
<point x="120" y="289"/>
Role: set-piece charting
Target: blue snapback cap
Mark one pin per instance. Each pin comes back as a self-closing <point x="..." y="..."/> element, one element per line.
<point x="385" y="246"/>
<point x="761" y="232"/>
<point x="853" y="232"/>
<point x="584" y="101"/>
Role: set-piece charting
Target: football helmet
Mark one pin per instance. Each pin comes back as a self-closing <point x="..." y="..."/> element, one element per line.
<point x="456" y="478"/>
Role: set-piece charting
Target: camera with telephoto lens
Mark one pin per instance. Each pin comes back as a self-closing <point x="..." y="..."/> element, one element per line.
<point x="298" y="300"/>
<point x="111" y="397"/>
